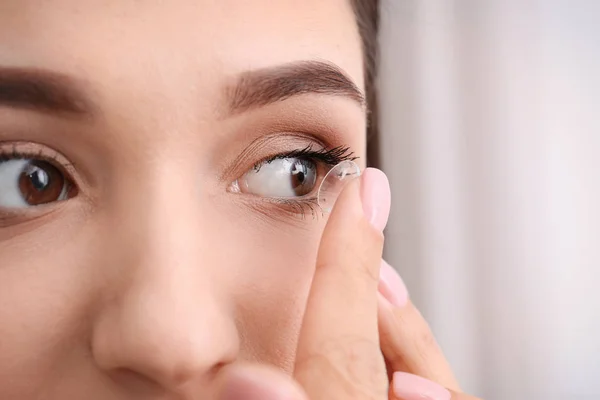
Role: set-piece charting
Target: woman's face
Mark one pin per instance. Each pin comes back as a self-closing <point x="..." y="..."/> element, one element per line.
<point x="157" y="183"/>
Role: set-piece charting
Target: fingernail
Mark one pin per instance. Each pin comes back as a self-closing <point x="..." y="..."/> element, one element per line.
<point x="412" y="387"/>
<point x="375" y="196"/>
<point x="391" y="285"/>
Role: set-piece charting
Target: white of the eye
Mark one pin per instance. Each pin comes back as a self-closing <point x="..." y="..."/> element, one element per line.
<point x="272" y="179"/>
<point x="10" y="193"/>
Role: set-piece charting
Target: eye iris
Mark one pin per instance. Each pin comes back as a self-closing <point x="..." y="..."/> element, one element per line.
<point x="40" y="183"/>
<point x="303" y="177"/>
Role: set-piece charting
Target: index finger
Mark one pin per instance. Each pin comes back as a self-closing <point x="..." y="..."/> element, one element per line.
<point x="339" y="344"/>
<point x="406" y="339"/>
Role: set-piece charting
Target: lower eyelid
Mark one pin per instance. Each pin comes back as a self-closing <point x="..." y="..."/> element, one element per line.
<point x="25" y="218"/>
<point x="300" y="208"/>
<point x="304" y="207"/>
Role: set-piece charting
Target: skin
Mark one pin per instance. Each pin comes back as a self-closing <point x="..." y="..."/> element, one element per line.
<point x="339" y="353"/>
<point x="155" y="281"/>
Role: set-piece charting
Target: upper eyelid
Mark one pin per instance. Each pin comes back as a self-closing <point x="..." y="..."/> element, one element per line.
<point x="331" y="156"/>
<point x="248" y="157"/>
<point x="28" y="150"/>
<point x="338" y="153"/>
<point x="25" y="150"/>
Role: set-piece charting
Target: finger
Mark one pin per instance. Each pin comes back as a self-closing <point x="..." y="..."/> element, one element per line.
<point x="412" y="387"/>
<point x="406" y="339"/>
<point x="338" y="351"/>
<point x="256" y="382"/>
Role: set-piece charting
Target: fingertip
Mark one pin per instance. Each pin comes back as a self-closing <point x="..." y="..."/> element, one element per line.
<point x="348" y="204"/>
<point x="376" y="197"/>
<point x="257" y="383"/>
<point x="368" y="197"/>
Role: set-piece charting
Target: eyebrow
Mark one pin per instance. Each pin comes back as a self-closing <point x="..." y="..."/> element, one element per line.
<point x="265" y="86"/>
<point x="44" y="91"/>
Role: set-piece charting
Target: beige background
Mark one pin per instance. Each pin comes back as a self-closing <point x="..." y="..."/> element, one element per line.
<point x="491" y="139"/>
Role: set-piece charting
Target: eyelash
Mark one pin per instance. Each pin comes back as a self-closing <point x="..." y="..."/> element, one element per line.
<point x="53" y="158"/>
<point x="329" y="157"/>
<point x="300" y="206"/>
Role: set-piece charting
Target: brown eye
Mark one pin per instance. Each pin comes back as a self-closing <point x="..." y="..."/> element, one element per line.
<point x="31" y="182"/>
<point x="303" y="177"/>
<point x="280" y="178"/>
<point x="41" y="183"/>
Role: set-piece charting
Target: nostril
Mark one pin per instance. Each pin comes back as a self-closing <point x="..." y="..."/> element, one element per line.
<point x="155" y="338"/>
<point x="134" y="382"/>
<point x="184" y="375"/>
<point x="214" y="371"/>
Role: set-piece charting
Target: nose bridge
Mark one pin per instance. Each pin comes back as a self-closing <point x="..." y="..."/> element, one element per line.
<point x="167" y="319"/>
<point x="161" y="222"/>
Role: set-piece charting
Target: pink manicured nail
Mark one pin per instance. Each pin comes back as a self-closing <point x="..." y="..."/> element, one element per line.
<point x="376" y="198"/>
<point x="391" y="285"/>
<point x="412" y="387"/>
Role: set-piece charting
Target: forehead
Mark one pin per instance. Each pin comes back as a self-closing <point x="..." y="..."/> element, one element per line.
<point x="124" y="38"/>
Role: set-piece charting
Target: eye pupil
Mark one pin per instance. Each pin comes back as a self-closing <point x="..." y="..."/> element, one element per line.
<point x="302" y="182"/>
<point x="40" y="182"/>
<point x="298" y="177"/>
<point x="39" y="179"/>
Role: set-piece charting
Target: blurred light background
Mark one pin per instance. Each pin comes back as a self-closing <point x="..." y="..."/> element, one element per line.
<point x="491" y="139"/>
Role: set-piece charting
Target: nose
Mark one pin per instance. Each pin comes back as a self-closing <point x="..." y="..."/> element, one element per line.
<point x="164" y="318"/>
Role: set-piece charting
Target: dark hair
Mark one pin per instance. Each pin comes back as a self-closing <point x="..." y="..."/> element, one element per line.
<point x="367" y="17"/>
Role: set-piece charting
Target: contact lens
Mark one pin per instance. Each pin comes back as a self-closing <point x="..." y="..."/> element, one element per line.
<point x="334" y="182"/>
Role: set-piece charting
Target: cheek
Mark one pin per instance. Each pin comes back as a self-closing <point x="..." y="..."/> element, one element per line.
<point x="45" y="296"/>
<point x="275" y="265"/>
<point x="53" y="276"/>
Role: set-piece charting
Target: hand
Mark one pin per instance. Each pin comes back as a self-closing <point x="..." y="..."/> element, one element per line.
<point x="417" y="368"/>
<point x="339" y="354"/>
<point x="406" y="339"/>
